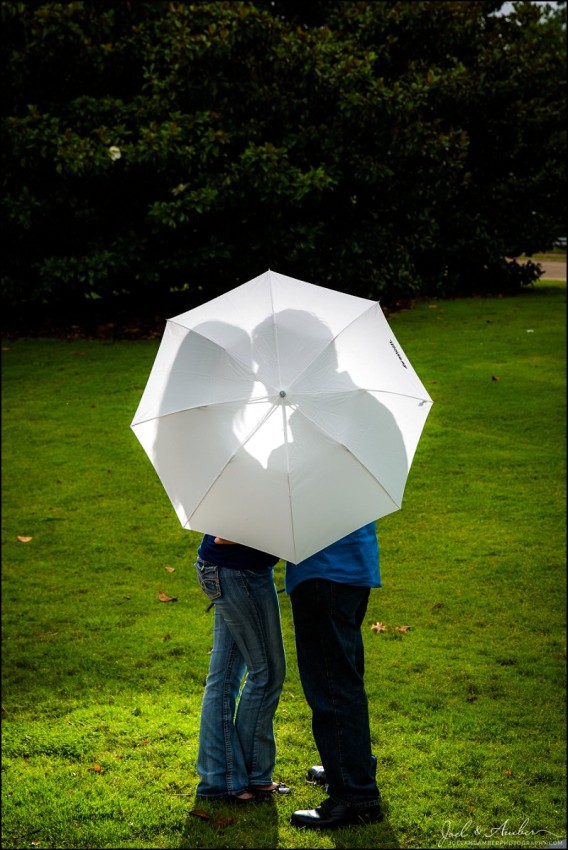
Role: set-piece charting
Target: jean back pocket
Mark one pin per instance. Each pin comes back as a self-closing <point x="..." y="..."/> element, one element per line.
<point x="208" y="576"/>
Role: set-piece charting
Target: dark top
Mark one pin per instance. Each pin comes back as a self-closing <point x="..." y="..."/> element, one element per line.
<point x="234" y="555"/>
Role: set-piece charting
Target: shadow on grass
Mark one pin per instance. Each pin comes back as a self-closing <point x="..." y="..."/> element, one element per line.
<point x="377" y="835"/>
<point x="213" y="825"/>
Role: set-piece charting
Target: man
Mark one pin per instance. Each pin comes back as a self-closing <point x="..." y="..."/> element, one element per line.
<point x="329" y="593"/>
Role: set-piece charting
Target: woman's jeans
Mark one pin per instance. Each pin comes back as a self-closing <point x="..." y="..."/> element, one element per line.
<point x="327" y="624"/>
<point x="236" y="738"/>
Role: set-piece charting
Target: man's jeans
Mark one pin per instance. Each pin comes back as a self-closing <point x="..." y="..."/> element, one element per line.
<point x="236" y="741"/>
<point x="327" y="623"/>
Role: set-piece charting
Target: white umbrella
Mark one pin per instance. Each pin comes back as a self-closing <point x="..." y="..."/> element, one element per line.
<point x="282" y="415"/>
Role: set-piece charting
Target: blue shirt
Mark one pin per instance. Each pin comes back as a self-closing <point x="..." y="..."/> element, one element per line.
<point x="234" y="555"/>
<point x="352" y="560"/>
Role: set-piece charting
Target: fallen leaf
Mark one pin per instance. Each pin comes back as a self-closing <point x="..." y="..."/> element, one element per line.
<point x="97" y="768"/>
<point x="23" y="539"/>
<point x="221" y="822"/>
<point x="507" y="773"/>
<point x="170" y="569"/>
<point x="163" y="597"/>
<point x="199" y="813"/>
<point x="380" y="627"/>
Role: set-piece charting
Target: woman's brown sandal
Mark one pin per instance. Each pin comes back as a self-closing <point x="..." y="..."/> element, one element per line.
<point x="240" y="800"/>
<point x="267" y="793"/>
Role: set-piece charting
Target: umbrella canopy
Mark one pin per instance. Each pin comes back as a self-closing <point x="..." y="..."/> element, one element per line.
<point x="282" y="415"/>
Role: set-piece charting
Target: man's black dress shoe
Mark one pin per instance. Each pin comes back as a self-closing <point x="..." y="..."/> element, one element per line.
<point x="316" y="775"/>
<point x="333" y="814"/>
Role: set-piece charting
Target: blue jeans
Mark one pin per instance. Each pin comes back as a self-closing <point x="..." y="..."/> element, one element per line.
<point x="327" y="624"/>
<point x="236" y="737"/>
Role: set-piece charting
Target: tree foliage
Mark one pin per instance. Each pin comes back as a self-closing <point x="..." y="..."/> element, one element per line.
<point x="156" y="154"/>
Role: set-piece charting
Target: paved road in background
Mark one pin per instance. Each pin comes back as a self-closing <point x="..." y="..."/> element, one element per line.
<point x="554" y="270"/>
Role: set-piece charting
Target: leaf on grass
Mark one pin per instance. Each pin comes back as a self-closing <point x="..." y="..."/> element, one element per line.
<point x="380" y="627"/>
<point x="97" y="768"/>
<point x="199" y="813"/>
<point x="23" y="539"/>
<point x="170" y="569"/>
<point x="163" y="597"/>
<point x="221" y="822"/>
<point x="508" y="773"/>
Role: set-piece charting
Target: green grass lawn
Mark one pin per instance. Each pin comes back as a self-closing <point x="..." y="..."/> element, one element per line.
<point x="102" y="683"/>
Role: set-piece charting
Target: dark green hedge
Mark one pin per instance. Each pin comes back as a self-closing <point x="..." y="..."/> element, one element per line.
<point x="156" y="154"/>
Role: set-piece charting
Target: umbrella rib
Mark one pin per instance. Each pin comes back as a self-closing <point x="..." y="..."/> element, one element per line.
<point x="275" y="331"/>
<point x="209" y="405"/>
<point x="212" y="341"/>
<point x="347" y="449"/>
<point x="331" y="342"/>
<point x="291" y="508"/>
<point x="339" y="392"/>
<point x="228" y="461"/>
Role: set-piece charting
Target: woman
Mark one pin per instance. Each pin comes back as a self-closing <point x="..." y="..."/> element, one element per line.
<point x="237" y="749"/>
